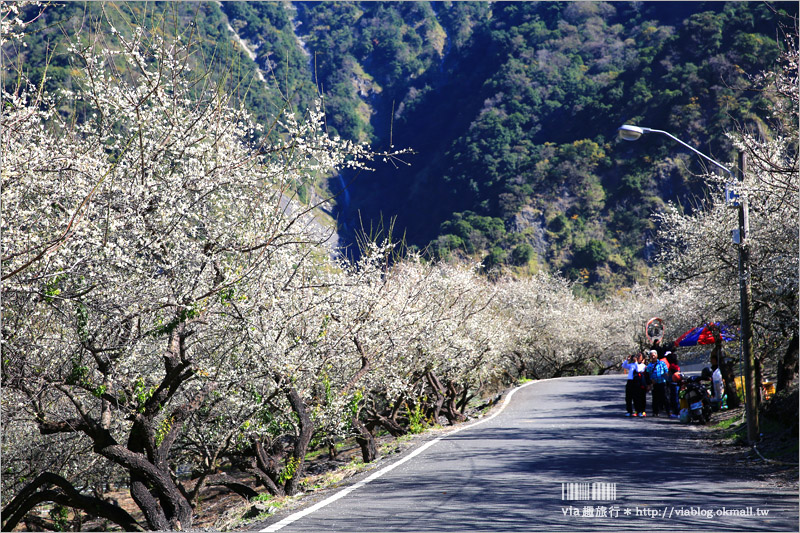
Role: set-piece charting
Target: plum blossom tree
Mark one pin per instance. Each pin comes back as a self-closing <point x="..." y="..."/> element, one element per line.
<point x="137" y="241"/>
<point x="425" y="338"/>
<point x="696" y="248"/>
<point x="457" y="339"/>
<point x="554" y="332"/>
<point x="677" y="306"/>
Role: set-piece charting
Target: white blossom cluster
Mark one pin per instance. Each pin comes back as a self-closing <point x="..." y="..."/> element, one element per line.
<point x="148" y="249"/>
<point x="557" y="333"/>
<point x="12" y="26"/>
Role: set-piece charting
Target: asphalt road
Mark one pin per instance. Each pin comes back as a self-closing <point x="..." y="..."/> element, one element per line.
<point x="508" y="474"/>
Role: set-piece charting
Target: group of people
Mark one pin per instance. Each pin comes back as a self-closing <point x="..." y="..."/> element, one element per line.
<point x="660" y="375"/>
<point x="657" y="371"/>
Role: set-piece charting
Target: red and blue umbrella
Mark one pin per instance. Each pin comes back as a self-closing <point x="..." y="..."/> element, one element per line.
<point x="705" y="335"/>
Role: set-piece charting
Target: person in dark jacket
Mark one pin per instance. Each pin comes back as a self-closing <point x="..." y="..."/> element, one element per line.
<point x="660" y="349"/>
<point x="673" y="384"/>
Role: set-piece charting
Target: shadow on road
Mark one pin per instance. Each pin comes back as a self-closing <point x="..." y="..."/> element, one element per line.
<point x="507" y="475"/>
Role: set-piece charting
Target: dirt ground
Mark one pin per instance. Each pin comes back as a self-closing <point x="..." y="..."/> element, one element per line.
<point x="774" y="458"/>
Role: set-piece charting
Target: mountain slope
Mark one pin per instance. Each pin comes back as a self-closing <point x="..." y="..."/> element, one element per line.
<point x="511" y="109"/>
<point x="516" y="120"/>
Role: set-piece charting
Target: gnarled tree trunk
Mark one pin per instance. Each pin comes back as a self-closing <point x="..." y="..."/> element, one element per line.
<point x="452" y="413"/>
<point x="465" y="399"/>
<point x="365" y="439"/>
<point x="64" y="494"/>
<point x="438" y="391"/>
<point x="145" y="455"/>
<point x="389" y="424"/>
<point x="263" y="466"/>
<point x="302" y="440"/>
<point x="266" y="467"/>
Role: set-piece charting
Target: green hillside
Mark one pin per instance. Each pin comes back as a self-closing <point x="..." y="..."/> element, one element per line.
<point x="515" y="119"/>
<point x="511" y="109"/>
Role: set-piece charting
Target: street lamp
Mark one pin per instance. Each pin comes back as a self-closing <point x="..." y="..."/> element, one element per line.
<point x="632" y="133"/>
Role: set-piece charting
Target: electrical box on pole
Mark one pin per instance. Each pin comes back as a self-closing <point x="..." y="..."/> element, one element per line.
<point x="731" y="196"/>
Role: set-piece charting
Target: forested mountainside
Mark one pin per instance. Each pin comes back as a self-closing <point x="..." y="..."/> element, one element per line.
<point x="511" y="109"/>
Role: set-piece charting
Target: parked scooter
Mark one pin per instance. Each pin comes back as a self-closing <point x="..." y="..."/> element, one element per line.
<point x="695" y="399"/>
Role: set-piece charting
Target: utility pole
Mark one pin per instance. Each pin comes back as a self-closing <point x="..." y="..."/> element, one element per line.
<point x="750" y="391"/>
<point x="631" y="133"/>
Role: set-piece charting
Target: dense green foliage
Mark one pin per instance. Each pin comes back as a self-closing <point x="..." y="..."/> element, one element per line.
<point x="511" y="108"/>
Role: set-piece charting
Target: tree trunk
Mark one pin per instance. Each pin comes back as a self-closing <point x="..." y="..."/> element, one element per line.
<point x="787" y="368"/>
<point x="66" y="495"/>
<point x="332" y="452"/>
<point x="438" y="390"/>
<point x="224" y="480"/>
<point x="390" y="425"/>
<point x="154" y="491"/>
<point x="265" y="468"/>
<point x="396" y="408"/>
<point x="152" y="487"/>
<point x="145" y="458"/>
<point x="156" y="519"/>
<point x="465" y="399"/>
<point x="365" y="439"/>
<point x="301" y="442"/>
<point x="452" y="414"/>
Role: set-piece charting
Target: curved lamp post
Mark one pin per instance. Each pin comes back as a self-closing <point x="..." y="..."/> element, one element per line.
<point x="628" y="132"/>
<point x="632" y="133"/>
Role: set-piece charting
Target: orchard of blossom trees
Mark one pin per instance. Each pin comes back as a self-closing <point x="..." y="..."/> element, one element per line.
<point x="169" y="315"/>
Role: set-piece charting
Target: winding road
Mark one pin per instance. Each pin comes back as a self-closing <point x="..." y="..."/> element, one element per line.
<point x="524" y="469"/>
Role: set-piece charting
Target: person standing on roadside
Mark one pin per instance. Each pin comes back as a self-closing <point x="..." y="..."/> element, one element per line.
<point x="673" y="384"/>
<point x="641" y="384"/>
<point x="659" y="348"/>
<point x="629" y="364"/>
<point x="717" y="386"/>
<point x="658" y="372"/>
<point x="667" y="379"/>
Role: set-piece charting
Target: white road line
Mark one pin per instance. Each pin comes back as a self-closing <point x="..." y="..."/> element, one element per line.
<point x="344" y="492"/>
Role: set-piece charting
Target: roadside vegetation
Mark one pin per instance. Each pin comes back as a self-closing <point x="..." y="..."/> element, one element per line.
<point x="774" y="456"/>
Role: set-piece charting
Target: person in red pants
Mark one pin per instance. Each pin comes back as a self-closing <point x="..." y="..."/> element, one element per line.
<point x="673" y="384"/>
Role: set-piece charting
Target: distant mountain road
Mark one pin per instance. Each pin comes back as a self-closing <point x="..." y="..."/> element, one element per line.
<point x="512" y="473"/>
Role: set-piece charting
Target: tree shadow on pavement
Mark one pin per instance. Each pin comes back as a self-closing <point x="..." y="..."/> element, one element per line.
<point x="508" y="474"/>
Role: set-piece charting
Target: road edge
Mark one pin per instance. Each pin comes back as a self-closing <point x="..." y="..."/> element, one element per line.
<point x="277" y="526"/>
